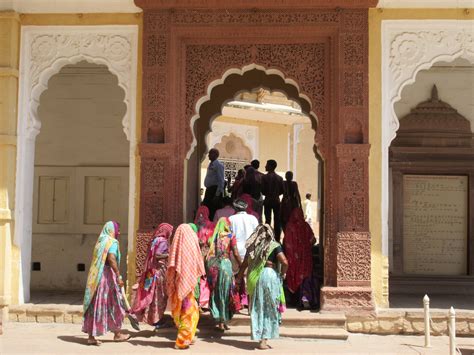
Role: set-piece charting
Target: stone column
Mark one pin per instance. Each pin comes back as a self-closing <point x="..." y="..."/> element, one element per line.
<point x="353" y="254"/>
<point x="9" y="60"/>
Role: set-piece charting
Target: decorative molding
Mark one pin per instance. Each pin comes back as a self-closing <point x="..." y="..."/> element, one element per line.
<point x="248" y="134"/>
<point x="64" y="7"/>
<point x="409" y="46"/>
<point x="424" y="4"/>
<point x="47" y="49"/>
<point x="44" y="51"/>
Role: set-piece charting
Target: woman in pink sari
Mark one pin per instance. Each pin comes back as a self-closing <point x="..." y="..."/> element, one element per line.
<point x="205" y="231"/>
<point x="150" y="301"/>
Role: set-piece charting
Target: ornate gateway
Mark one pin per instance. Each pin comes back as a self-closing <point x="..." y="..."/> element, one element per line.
<point x="317" y="55"/>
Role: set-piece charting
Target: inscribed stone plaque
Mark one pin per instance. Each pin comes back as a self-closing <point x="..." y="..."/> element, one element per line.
<point x="435" y="224"/>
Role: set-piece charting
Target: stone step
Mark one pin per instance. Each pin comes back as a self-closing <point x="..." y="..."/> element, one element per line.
<point x="296" y="319"/>
<point x="285" y="332"/>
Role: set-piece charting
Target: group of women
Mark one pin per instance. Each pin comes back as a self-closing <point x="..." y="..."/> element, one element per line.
<point x="186" y="271"/>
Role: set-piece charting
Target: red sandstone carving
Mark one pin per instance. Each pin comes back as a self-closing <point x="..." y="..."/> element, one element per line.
<point x="323" y="51"/>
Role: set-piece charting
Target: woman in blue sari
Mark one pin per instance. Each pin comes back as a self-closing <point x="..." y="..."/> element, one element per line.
<point x="267" y="269"/>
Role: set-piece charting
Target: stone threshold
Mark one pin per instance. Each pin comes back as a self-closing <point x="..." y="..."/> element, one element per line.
<point x="328" y="325"/>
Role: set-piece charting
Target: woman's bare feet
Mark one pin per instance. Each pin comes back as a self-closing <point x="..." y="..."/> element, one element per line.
<point x="93" y="341"/>
<point x="226" y="327"/>
<point x="263" y="345"/>
<point x="119" y="337"/>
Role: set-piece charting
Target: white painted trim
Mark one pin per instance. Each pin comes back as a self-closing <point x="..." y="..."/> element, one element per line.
<point x="44" y="50"/>
<point x="409" y="46"/>
<point x="70" y="6"/>
<point x="425" y="4"/>
<point x="239" y="71"/>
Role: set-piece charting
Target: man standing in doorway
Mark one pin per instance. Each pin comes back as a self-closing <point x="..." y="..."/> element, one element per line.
<point x="258" y="178"/>
<point x="308" y="209"/>
<point x="214" y="183"/>
<point x="272" y="188"/>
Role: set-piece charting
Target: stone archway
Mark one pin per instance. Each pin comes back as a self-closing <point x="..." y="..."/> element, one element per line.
<point x="324" y="51"/>
<point x="409" y="46"/>
<point x="44" y="51"/>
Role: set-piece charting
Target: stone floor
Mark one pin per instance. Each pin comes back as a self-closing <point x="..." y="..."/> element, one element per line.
<point x="436" y="301"/>
<point x="57" y="297"/>
<point x="34" y="338"/>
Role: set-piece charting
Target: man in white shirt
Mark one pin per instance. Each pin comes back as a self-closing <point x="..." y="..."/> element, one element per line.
<point x="308" y="209"/>
<point x="243" y="225"/>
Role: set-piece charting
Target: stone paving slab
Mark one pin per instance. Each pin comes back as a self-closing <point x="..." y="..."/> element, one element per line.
<point x="29" y="338"/>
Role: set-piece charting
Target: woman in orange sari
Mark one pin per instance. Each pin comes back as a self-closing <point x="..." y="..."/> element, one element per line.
<point x="185" y="265"/>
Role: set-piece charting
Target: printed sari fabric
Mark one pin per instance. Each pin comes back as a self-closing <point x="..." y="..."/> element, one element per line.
<point x="264" y="285"/>
<point x="151" y="299"/>
<point x="297" y="245"/>
<point x="103" y="310"/>
<point x="204" y="224"/>
<point x="219" y="271"/>
<point x="185" y="265"/>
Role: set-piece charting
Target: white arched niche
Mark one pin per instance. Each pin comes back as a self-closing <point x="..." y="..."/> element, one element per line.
<point x="44" y="51"/>
<point x="409" y="46"/>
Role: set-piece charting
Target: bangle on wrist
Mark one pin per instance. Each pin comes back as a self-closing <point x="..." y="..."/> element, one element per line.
<point x="119" y="277"/>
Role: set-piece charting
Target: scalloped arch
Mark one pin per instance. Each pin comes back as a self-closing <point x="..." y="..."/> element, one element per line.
<point x="214" y="89"/>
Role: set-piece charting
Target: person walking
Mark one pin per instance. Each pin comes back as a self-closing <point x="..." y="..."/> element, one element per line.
<point x="272" y="188"/>
<point x="298" y="244"/>
<point x="264" y="283"/>
<point x="214" y="183"/>
<point x="103" y="308"/>
<point x="151" y="298"/>
<point x="291" y="198"/>
<point x="185" y="265"/>
<point x="219" y="273"/>
<point x="243" y="225"/>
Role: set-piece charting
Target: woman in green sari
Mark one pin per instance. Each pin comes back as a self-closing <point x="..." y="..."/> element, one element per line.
<point x="219" y="272"/>
<point x="267" y="269"/>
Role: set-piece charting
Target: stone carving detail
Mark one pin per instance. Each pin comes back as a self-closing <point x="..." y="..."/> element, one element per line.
<point x="156" y="50"/>
<point x="143" y="241"/>
<point x="416" y="47"/>
<point x="194" y="58"/>
<point x="353" y="256"/>
<point x="152" y="175"/>
<point x="353" y="213"/>
<point x="55" y="48"/>
<point x="152" y="213"/>
<point x="353" y="49"/>
<point x="353" y="89"/>
<point x="354" y="298"/>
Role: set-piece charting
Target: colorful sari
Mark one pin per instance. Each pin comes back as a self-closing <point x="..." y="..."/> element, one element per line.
<point x="297" y="244"/>
<point x="219" y="271"/>
<point x="185" y="265"/>
<point x="264" y="285"/>
<point x="205" y="230"/>
<point x="150" y="301"/>
<point x="103" y="310"/>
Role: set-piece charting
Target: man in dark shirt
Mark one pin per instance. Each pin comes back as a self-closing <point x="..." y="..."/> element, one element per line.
<point x="272" y="188"/>
<point x="258" y="178"/>
<point x="214" y="183"/>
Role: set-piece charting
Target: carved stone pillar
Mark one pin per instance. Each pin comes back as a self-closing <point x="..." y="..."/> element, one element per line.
<point x="353" y="238"/>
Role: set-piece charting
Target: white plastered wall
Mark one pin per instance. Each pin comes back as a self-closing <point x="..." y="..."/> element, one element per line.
<point x="44" y="51"/>
<point x="409" y="46"/>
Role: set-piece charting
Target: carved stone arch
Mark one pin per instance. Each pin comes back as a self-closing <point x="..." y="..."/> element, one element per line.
<point x="237" y="80"/>
<point x="409" y="46"/>
<point x="44" y="51"/>
<point x="48" y="49"/>
<point x="323" y="49"/>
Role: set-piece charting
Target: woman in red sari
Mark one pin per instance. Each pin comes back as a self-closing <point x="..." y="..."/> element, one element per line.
<point x="291" y="198"/>
<point x="298" y="242"/>
<point x="150" y="302"/>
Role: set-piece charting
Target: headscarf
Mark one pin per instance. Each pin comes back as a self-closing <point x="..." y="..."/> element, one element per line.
<point x="259" y="247"/>
<point x="240" y="205"/>
<point x="106" y="239"/>
<point x="222" y="230"/>
<point x="185" y="263"/>
<point x="205" y="226"/>
<point x="297" y="243"/>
